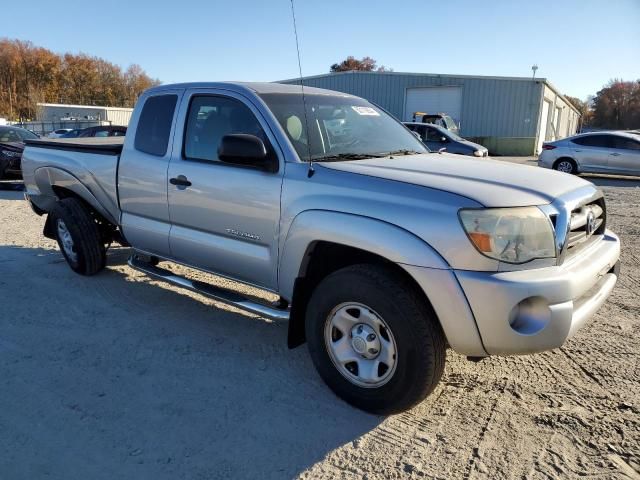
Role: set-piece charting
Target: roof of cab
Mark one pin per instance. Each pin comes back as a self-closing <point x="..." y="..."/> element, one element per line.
<point x="255" y="87"/>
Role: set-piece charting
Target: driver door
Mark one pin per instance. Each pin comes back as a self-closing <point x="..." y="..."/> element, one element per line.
<point x="433" y="139"/>
<point x="224" y="217"/>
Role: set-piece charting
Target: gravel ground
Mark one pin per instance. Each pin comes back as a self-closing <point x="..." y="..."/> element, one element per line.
<point x="119" y="376"/>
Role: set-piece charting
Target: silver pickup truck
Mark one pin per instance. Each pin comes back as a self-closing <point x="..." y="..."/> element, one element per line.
<point x="383" y="254"/>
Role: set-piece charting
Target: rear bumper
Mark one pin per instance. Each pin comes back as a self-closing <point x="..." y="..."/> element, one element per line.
<point x="531" y="311"/>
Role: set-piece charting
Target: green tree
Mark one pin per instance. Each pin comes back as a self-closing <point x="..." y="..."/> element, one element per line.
<point x="367" y="64"/>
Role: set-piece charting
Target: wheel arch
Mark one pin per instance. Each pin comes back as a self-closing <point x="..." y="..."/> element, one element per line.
<point x="55" y="184"/>
<point x="320" y="242"/>
<point x="566" y="157"/>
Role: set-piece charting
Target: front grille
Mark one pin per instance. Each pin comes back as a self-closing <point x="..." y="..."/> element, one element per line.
<point x="586" y="223"/>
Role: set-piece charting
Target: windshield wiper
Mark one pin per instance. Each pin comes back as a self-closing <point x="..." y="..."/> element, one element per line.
<point x="348" y="156"/>
<point x="403" y="152"/>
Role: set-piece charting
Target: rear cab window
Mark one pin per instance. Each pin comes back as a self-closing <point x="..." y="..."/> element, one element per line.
<point x="154" y="125"/>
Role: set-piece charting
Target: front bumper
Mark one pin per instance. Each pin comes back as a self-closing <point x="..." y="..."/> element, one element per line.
<point x="11" y="166"/>
<point x="529" y="311"/>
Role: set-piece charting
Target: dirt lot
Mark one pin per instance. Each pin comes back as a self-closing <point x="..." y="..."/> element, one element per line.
<point x="118" y="376"/>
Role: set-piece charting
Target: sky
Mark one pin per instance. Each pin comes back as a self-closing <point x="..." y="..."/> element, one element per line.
<point x="578" y="45"/>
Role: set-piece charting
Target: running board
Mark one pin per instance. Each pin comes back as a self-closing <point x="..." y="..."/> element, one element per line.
<point x="220" y="294"/>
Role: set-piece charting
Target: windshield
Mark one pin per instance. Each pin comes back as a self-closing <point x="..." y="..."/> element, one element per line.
<point x="450" y="124"/>
<point x="10" y="134"/>
<point x="340" y="127"/>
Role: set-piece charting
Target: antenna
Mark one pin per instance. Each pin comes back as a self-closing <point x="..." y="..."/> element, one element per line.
<point x="304" y="103"/>
<point x="534" y="67"/>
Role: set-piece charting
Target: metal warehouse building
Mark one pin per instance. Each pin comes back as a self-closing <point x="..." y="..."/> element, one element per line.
<point x="55" y="112"/>
<point x="508" y="115"/>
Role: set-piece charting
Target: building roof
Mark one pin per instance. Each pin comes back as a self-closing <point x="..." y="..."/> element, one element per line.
<point x="64" y="105"/>
<point x="442" y="75"/>
<point x="446" y="75"/>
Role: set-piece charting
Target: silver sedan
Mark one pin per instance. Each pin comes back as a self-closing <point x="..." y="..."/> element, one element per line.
<point x="599" y="152"/>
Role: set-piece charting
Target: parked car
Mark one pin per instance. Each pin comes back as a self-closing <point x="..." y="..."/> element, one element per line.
<point x="11" y="148"/>
<point x="61" y="132"/>
<point x="103" y="131"/>
<point x="436" y="138"/>
<point x="72" y="133"/>
<point x="383" y="254"/>
<point x="441" y="119"/>
<point x="598" y="152"/>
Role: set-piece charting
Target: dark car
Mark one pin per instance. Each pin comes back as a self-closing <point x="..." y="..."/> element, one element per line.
<point x="72" y="133"/>
<point x="103" y="131"/>
<point x="11" y="147"/>
<point x="441" y="119"/>
<point x="435" y="138"/>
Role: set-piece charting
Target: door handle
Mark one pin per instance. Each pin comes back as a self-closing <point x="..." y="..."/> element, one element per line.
<point x="615" y="154"/>
<point x="180" y="181"/>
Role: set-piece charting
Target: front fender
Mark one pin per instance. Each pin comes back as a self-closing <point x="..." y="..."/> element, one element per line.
<point x="372" y="235"/>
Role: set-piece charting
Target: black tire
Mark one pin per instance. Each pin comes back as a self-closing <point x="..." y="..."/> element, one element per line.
<point x="421" y="346"/>
<point x="88" y="247"/>
<point x="566" y="165"/>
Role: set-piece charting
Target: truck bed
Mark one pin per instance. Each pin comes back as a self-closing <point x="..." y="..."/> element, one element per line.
<point x="80" y="163"/>
<point x="101" y="145"/>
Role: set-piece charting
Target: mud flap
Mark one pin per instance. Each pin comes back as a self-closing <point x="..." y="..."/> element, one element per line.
<point x="296" y="335"/>
<point x="49" y="230"/>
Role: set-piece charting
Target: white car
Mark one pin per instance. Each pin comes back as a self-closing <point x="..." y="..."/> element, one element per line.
<point x="598" y="152"/>
<point x="59" y="132"/>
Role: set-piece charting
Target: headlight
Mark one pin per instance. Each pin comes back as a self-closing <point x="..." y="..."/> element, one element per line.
<point x="478" y="153"/>
<point x="9" y="153"/>
<point x="512" y="235"/>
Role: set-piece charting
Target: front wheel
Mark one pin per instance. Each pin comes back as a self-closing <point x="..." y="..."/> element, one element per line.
<point x="374" y="339"/>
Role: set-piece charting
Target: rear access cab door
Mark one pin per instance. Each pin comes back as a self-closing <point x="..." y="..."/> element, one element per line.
<point x="224" y="217"/>
<point x="142" y="173"/>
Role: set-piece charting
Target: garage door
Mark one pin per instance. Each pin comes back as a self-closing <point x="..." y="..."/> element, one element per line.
<point x="434" y="100"/>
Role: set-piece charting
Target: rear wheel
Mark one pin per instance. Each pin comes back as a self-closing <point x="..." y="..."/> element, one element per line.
<point x="373" y="339"/>
<point x="78" y="236"/>
<point x="566" y="165"/>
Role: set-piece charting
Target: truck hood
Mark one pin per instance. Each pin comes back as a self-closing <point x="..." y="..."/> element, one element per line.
<point x="489" y="182"/>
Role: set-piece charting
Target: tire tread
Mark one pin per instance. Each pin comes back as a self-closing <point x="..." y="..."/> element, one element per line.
<point x="82" y="225"/>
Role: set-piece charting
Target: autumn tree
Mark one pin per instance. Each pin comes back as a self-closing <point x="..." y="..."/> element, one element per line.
<point x="30" y="75"/>
<point x="367" y="64"/>
<point x="617" y="105"/>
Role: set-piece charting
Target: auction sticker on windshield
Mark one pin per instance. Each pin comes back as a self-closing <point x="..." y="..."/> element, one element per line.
<point x="365" y="111"/>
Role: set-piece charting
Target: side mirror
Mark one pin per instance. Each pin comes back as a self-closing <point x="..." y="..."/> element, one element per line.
<point x="246" y="150"/>
<point x="417" y="135"/>
<point x="442" y="150"/>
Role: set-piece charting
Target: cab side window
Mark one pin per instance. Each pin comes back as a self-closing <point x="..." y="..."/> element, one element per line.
<point x="212" y="117"/>
<point x="154" y="125"/>
<point x="599" y="141"/>
<point x="419" y="129"/>
<point x="626" y="143"/>
<point x="433" y="135"/>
